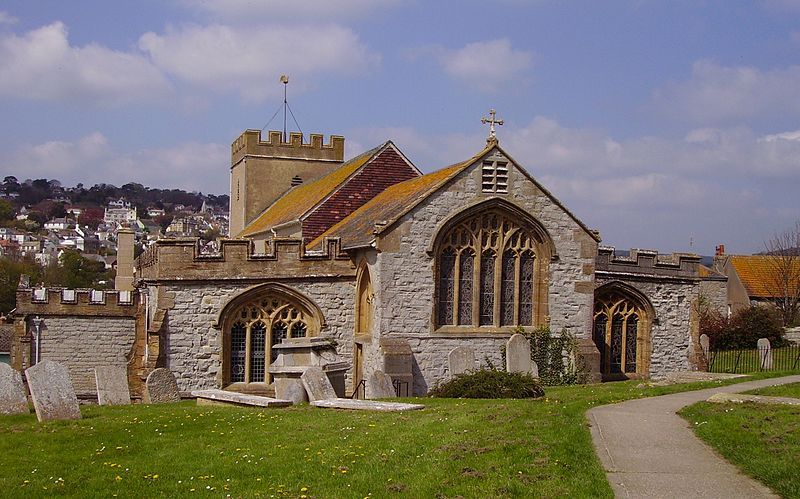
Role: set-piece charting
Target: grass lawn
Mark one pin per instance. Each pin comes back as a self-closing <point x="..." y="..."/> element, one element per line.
<point x="762" y="440"/>
<point x="790" y="390"/>
<point x="470" y="448"/>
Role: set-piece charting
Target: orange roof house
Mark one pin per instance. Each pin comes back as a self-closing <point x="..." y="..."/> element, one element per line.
<point x="753" y="279"/>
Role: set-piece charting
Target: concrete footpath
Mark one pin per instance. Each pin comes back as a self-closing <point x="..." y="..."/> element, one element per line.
<point x="648" y="450"/>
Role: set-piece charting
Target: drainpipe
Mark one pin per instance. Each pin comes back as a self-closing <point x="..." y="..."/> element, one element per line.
<point x="37" y="324"/>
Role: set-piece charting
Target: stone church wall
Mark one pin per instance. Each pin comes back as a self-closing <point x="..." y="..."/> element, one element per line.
<point x="406" y="287"/>
<point x="83" y="343"/>
<point x="193" y="347"/>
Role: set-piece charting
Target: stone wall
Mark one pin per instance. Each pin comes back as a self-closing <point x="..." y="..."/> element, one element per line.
<point x="192" y="346"/>
<point x="83" y="343"/>
<point x="675" y="321"/>
<point x="405" y="287"/>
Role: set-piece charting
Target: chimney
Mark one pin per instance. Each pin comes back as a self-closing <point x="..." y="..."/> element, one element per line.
<point x="124" y="279"/>
<point x="720" y="250"/>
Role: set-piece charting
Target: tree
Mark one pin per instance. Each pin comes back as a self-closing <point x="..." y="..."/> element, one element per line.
<point x="6" y="210"/>
<point x="75" y="271"/>
<point x="10" y="270"/>
<point x="783" y="257"/>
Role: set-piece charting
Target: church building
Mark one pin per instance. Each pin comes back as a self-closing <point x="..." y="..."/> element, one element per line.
<point x="388" y="268"/>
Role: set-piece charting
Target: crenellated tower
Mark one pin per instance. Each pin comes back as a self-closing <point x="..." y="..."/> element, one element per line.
<point x="262" y="171"/>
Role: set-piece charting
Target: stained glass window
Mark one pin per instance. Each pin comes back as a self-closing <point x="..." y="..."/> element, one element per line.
<point x="494" y="248"/>
<point x="616" y="344"/>
<point x="631" y="326"/>
<point x="507" y="289"/>
<point x="487" y="289"/>
<point x="465" y="275"/>
<point x="258" y="332"/>
<point x="447" y="285"/>
<point x="238" y="351"/>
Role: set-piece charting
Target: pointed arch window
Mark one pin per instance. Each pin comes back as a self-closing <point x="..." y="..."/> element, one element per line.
<point x="487" y="268"/>
<point x="620" y="332"/>
<point x="257" y="326"/>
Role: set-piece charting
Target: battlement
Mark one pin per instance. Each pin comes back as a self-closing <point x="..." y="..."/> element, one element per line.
<point x="648" y="262"/>
<point x="183" y="259"/>
<point x="249" y="143"/>
<point x="61" y="301"/>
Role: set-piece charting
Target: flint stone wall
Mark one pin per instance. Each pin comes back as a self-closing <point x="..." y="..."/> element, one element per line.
<point x="405" y="289"/>
<point x="671" y="337"/>
<point x="193" y="347"/>
<point x="83" y="343"/>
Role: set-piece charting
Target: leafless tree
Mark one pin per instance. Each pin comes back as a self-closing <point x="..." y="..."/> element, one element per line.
<point x="783" y="256"/>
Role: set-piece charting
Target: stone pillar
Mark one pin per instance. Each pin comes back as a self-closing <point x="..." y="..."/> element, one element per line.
<point x="124" y="279"/>
<point x="589" y="360"/>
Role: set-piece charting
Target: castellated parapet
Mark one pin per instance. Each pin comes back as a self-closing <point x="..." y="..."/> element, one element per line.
<point x="648" y="263"/>
<point x="249" y="143"/>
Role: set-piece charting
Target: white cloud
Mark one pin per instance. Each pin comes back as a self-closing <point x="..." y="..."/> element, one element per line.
<point x="723" y="94"/>
<point x="6" y="18"/>
<point x="42" y="64"/>
<point x="249" y="61"/>
<point x="483" y="65"/>
<point x="305" y="10"/>
<point x="92" y="159"/>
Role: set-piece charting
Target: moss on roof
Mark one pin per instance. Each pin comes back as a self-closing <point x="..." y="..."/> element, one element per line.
<point x="358" y="228"/>
<point x="299" y="200"/>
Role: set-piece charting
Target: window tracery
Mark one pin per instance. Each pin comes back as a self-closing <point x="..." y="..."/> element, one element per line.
<point x="616" y="332"/>
<point x="487" y="266"/>
<point x="257" y="326"/>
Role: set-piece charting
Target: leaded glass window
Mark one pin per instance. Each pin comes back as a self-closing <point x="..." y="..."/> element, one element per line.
<point x="617" y="340"/>
<point x="447" y="285"/>
<point x="258" y="326"/>
<point x="487" y="271"/>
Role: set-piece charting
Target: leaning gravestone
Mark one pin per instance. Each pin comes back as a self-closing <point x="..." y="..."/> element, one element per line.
<point x="380" y="386"/>
<point x="765" y="353"/>
<point x="112" y="385"/>
<point x="518" y="356"/>
<point x="161" y="387"/>
<point x="12" y="392"/>
<point x="52" y="392"/>
<point x="317" y="384"/>
<point x="462" y="359"/>
<point x="705" y="344"/>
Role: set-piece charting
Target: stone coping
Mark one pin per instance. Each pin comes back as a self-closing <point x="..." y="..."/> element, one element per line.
<point x="366" y="405"/>
<point x="741" y="398"/>
<point x="331" y="367"/>
<point x="241" y="399"/>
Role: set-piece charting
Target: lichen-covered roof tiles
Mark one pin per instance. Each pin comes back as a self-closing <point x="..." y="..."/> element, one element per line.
<point x="358" y="229"/>
<point x="758" y="274"/>
<point x="297" y="201"/>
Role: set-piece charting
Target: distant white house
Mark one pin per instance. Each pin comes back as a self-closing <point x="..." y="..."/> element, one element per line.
<point x="119" y="212"/>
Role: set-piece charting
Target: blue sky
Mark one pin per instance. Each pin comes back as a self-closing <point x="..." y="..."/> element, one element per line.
<point x="668" y="125"/>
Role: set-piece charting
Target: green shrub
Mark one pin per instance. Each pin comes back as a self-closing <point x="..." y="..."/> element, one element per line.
<point x="556" y="357"/>
<point x="490" y="384"/>
<point x="743" y="330"/>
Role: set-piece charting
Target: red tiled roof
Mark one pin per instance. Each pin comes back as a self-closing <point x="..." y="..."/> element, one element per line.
<point x="760" y="274"/>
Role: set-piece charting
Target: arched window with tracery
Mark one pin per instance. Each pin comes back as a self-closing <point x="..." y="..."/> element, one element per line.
<point x="621" y="332"/>
<point x="491" y="269"/>
<point x="255" y="327"/>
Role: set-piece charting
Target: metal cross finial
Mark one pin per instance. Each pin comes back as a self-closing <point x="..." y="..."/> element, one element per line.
<point x="492" y="120"/>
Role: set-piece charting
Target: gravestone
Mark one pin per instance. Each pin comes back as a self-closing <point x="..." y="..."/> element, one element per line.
<point x="765" y="353"/>
<point x="380" y="386"/>
<point x="52" y="392"/>
<point x="12" y="392"/>
<point x="705" y="344"/>
<point x="317" y="384"/>
<point x="112" y="385"/>
<point x="161" y="387"/>
<point x="518" y="356"/>
<point x="290" y="389"/>
<point x="462" y="359"/>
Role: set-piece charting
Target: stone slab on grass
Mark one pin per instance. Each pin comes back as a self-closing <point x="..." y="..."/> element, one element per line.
<point x="317" y="384"/>
<point x="741" y="398"/>
<point x="161" y="387"/>
<point x="112" y="385"/>
<point x="13" y="399"/>
<point x="223" y="397"/>
<point x="52" y="391"/>
<point x="365" y="405"/>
